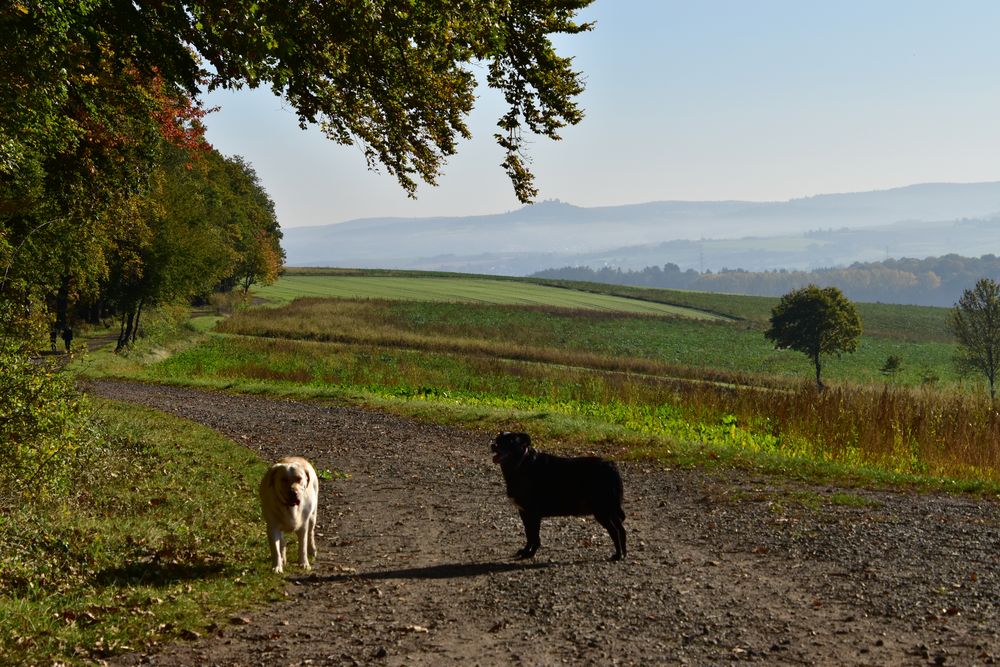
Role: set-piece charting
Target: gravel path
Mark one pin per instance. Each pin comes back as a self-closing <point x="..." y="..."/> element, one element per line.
<point x="415" y="564"/>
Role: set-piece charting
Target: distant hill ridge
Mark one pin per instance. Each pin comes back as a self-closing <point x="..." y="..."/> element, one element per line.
<point x="553" y="233"/>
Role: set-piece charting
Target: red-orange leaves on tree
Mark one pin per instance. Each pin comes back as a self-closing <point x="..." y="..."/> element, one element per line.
<point x="179" y="117"/>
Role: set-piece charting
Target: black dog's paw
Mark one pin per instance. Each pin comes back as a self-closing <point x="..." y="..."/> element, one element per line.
<point x="523" y="554"/>
<point x="616" y="558"/>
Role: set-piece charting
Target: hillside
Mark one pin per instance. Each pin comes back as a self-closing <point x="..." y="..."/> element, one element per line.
<point x="824" y="230"/>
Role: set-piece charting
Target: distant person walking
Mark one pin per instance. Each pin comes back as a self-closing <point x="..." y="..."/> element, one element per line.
<point x="67" y="336"/>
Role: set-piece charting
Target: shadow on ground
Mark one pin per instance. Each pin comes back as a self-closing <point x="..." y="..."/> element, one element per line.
<point x="445" y="571"/>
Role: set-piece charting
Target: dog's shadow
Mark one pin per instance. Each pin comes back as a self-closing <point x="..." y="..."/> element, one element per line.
<point x="444" y="571"/>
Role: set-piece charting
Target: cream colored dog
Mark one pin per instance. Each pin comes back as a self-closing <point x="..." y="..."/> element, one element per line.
<point x="289" y="495"/>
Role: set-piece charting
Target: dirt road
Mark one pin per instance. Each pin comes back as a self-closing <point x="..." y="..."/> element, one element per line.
<point x="415" y="564"/>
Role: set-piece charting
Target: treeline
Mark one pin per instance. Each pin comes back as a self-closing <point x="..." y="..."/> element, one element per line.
<point x="111" y="200"/>
<point x="934" y="281"/>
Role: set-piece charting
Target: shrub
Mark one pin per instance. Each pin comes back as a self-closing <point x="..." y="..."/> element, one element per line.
<point x="44" y="423"/>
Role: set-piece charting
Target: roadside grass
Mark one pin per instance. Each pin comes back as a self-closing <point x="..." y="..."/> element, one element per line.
<point x="678" y="390"/>
<point x="876" y="431"/>
<point x="160" y="539"/>
<point x="168" y="331"/>
<point x="203" y="323"/>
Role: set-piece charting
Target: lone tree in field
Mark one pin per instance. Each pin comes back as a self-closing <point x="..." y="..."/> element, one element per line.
<point x="815" y="322"/>
<point x="975" y="321"/>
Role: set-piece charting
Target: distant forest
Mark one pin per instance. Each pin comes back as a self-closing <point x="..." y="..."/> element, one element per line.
<point x="934" y="281"/>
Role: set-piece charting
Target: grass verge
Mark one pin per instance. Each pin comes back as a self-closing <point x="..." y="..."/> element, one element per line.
<point x="159" y="538"/>
<point x="676" y="431"/>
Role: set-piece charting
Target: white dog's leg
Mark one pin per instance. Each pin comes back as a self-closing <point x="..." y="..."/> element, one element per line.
<point x="276" y="542"/>
<point x="304" y="545"/>
<point x="312" y="536"/>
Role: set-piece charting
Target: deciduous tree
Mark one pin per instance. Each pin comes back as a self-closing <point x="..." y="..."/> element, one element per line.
<point x="203" y="222"/>
<point x="975" y="321"/>
<point x="815" y="322"/>
<point x="258" y="236"/>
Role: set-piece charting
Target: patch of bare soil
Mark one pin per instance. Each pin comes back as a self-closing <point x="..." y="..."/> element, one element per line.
<point x="415" y="561"/>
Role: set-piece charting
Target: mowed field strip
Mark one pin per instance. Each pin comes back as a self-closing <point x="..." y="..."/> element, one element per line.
<point x="473" y="290"/>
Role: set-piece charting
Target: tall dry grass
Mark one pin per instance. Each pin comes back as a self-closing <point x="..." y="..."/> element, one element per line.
<point x="921" y="431"/>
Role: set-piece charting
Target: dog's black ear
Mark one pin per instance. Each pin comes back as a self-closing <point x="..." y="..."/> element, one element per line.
<point x="522" y="439"/>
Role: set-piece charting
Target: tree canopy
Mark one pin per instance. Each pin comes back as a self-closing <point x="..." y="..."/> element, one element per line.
<point x="394" y="76"/>
<point x="815" y="321"/>
<point x="975" y="321"/>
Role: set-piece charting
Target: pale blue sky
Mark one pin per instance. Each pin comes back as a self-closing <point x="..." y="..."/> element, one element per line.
<point x="697" y="100"/>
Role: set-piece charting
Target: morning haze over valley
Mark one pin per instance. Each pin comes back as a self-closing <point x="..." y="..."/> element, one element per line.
<point x="626" y="244"/>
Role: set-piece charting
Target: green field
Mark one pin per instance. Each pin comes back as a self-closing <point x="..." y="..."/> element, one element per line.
<point x="468" y="290"/>
<point x="520" y="314"/>
<point x="601" y="339"/>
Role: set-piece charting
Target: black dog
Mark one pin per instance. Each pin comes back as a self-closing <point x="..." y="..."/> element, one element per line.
<point x="546" y="485"/>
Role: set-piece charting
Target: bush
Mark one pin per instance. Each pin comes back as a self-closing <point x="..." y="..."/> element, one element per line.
<point x="227" y="303"/>
<point x="44" y="424"/>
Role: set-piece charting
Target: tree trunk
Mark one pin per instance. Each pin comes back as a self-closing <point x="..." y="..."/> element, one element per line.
<point x="125" y="330"/>
<point x="819" y="382"/>
<point x="135" y="327"/>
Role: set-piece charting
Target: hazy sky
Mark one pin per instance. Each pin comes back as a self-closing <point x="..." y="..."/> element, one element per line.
<point x="695" y="100"/>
